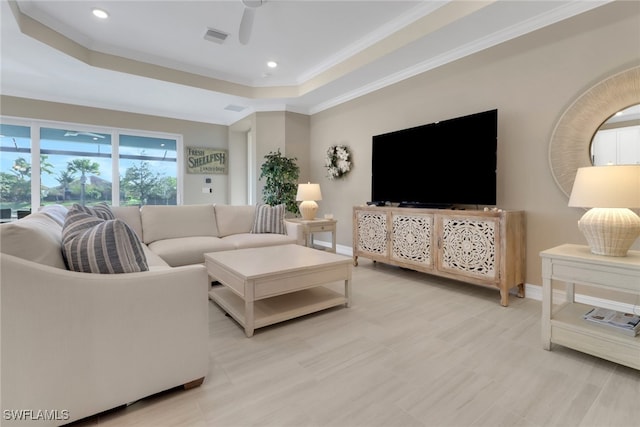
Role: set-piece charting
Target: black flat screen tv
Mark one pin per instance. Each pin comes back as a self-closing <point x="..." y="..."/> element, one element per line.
<point x="442" y="164"/>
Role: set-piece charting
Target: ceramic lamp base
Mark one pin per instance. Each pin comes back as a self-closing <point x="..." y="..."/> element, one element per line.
<point x="610" y="231"/>
<point x="308" y="209"/>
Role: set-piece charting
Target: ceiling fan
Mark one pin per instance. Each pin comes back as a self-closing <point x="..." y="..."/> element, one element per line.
<point x="246" y="23"/>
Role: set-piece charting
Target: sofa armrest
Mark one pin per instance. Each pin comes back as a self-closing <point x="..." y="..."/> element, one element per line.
<point x="295" y="230"/>
<point x="86" y="343"/>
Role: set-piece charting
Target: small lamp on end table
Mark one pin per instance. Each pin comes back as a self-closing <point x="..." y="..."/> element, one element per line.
<point x="610" y="227"/>
<point x="308" y="193"/>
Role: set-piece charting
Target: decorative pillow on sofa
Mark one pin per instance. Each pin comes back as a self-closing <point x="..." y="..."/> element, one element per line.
<point x="94" y="245"/>
<point x="269" y="219"/>
<point x="101" y="210"/>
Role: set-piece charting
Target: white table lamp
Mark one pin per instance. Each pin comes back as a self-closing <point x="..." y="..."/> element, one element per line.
<point x="308" y="193"/>
<point x="610" y="226"/>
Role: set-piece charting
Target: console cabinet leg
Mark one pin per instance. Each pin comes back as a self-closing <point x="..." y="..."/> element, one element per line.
<point x="504" y="297"/>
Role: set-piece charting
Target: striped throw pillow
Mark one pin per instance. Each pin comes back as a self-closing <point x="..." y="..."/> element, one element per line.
<point x="269" y="219"/>
<point x="101" y="210"/>
<point x="95" y="245"/>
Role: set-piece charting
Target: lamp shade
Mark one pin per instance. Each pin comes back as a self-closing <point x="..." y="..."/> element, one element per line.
<point x="610" y="227"/>
<point x="308" y="192"/>
<point x="607" y="187"/>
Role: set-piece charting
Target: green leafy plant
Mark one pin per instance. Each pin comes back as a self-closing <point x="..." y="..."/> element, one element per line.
<point x="140" y="181"/>
<point x="281" y="175"/>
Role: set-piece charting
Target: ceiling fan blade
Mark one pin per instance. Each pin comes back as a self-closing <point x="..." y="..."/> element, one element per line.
<point x="246" y="25"/>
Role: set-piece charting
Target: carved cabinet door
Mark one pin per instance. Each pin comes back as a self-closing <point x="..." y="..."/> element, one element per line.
<point x="371" y="234"/>
<point x="469" y="246"/>
<point x="412" y="239"/>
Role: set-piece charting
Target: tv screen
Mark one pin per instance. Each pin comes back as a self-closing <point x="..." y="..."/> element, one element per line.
<point x="441" y="164"/>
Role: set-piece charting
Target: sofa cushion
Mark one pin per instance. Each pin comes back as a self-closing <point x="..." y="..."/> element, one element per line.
<point x="36" y="237"/>
<point x="234" y="219"/>
<point x="169" y="222"/>
<point x="130" y="215"/>
<point x="94" y="245"/>
<point x="269" y="219"/>
<point x="188" y="250"/>
<point x="153" y="259"/>
<point x="250" y="240"/>
<point x="56" y="212"/>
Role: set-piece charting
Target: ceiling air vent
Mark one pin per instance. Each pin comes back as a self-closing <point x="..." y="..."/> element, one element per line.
<point x="236" y="108"/>
<point x="215" y="36"/>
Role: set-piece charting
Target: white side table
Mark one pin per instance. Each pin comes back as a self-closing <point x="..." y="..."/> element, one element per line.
<point x="317" y="225"/>
<point x="563" y="324"/>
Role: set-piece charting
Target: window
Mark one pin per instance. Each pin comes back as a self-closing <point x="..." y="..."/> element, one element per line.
<point x="77" y="166"/>
<point x="148" y="171"/>
<point x="15" y="171"/>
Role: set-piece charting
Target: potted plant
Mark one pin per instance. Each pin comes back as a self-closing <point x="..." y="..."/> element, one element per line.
<point x="281" y="174"/>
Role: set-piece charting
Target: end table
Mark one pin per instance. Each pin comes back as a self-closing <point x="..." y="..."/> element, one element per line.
<point x="316" y="225"/>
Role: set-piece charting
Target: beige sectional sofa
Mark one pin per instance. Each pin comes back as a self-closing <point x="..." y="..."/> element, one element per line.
<point x="181" y="235"/>
<point x="75" y="344"/>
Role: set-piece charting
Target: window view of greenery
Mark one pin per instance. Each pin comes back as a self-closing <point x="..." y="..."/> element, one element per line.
<point x="148" y="171"/>
<point x="15" y="171"/>
<point x="77" y="167"/>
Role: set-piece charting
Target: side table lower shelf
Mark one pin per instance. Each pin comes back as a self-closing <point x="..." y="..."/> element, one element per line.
<point x="568" y="328"/>
<point x="564" y="324"/>
<point x="279" y="308"/>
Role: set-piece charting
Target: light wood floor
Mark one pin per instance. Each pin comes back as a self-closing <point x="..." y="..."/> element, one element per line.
<point x="413" y="350"/>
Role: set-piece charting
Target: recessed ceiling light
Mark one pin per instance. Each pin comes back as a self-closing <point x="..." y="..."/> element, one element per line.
<point x="100" y="13"/>
<point x="272" y="64"/>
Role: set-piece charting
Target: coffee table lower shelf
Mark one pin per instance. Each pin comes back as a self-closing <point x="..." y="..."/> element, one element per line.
<point x="279" y="308"/>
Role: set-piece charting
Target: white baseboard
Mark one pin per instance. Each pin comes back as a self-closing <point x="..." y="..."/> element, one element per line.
<point x="531" y="291"/>
<point x="535" y="292"/>
<point x="340" y="249"/>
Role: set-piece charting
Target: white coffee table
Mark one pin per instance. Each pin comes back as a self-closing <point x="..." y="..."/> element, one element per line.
<point x="263" y="286"/>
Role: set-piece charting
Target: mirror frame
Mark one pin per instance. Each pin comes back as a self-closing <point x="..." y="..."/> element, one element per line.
<point x="569" y="148"/>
